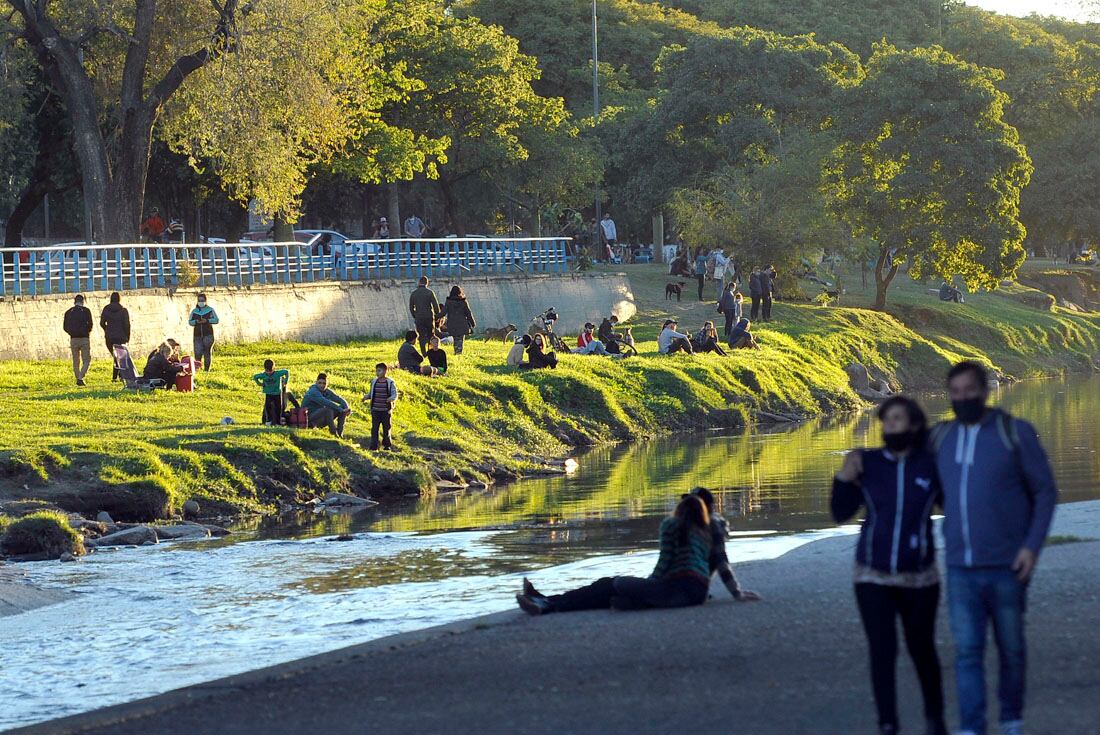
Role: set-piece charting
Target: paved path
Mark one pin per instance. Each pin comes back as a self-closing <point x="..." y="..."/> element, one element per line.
<point x="791" y="665"/>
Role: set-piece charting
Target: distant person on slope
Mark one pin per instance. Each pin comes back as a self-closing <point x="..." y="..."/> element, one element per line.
<point x="115" y="322"/>
<point x="701" y="270"/>
<point x="895" y="573"/>
<point x="609" y="231"/>
<point x="410" y="359"/>
<point x="382" y="397"/>
<point x="273" y="382"/>
<point x="425" y="311"/>
<point x="325" y="407"/>
<point x="680" y="579"/>
<point x="669" y="341"/>
<point x="203" y="318"/>
<point x="460" y="319"/>
<point x="78" y="325"/>
<point x="706" y="340"/>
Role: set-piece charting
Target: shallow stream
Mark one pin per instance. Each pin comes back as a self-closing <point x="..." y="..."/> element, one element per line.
<point x="156" y="618"/>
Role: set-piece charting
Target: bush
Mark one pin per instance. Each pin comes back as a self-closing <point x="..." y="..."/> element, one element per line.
<point x="46" y="532"/>
<point x="186" y="274"/>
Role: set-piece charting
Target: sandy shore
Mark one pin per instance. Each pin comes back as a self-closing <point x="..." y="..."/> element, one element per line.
<point x="17" y="595"/>
<point x="790" y="665"/>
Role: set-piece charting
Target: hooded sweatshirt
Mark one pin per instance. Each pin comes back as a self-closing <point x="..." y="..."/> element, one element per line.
<point x="999" y="490"/>
<point x="115" y="321"/>
<point x="738" y="332"/>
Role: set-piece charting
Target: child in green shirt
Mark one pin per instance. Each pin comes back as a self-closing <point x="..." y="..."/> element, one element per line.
<point x="273" y="383"/>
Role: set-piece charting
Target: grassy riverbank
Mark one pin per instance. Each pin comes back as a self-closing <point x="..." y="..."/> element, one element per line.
<point x="140" y="456"/>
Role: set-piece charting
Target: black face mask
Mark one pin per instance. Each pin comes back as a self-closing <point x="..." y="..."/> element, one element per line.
<point x="899" y="442"/>
<point x="969" y="410"/>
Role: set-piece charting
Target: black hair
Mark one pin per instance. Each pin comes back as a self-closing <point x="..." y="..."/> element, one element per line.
<point x="381" y="365"/>
<point x="410" y="336"/>
<point x="200" y="296"/>
<point x="706" y="496"/>
<point x="969" y="366"/>
<point x="918" y="420"/>
<point x="116" y="297"/>
<point x="423" y="281"/>
<point x="322" y="376"/>
<point x="269" y="364"/>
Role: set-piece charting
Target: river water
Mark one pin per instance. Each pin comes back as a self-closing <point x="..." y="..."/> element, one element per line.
<point x="156" y="618"/>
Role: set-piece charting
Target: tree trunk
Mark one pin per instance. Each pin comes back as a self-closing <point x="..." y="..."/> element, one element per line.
<point x="450" y="208"/>
<point x="885" y="270"/>
<point x="393" y="192"/>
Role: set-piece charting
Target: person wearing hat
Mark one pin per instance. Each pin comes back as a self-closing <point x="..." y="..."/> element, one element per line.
<point x="669" y="341"/>
<point x="587" y="344"/>
<point x="78" y="325"/>
<point x="383" y="231"/>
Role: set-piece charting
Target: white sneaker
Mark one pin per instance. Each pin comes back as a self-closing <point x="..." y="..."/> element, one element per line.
<point x="1016" y="727"/>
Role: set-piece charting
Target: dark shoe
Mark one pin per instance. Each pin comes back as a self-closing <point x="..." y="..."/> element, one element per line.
<point x="533" y="605"/>
<point x="387" y="447"/>
<point x="80" y="382"/>
<point x="936" y="727"/>
<point x="373" y="447"/>
<point x="530" y="591"/>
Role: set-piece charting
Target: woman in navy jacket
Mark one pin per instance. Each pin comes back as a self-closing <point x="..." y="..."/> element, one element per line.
<point x="895" y="571"/>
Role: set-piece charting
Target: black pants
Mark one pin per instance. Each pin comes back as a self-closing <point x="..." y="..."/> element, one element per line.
<point x="766" y="310"/>
<point x="879" y="605"/>
<point x="680" y="344"/>
<point x="380" y="420"/>
<point x="755" y="314"/>
<point x="702" y="282"/>
<point x="710" y="345"/>
<point x="632" y="593"/>
<point x="273" y="410"/>
<point x="424" y="332"/>
<point x="328" y="418"/>
<point x="730" y="320"/>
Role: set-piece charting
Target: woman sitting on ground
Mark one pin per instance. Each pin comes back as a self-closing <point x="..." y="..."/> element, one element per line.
<point x="895" y="570"/>
<point x="741" y="337"/>
<point x="159" y="367"/>
<point x="437" y="358"/>
<point x="706" y="340"/>
<point x="680" y="579"/>
<point x="536" y="355"/>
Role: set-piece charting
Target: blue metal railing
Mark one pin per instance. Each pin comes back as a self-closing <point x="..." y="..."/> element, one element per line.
<point x="69" y="269"/>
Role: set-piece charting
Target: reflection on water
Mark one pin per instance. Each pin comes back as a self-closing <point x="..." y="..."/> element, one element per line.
<point x="152" y="619"/>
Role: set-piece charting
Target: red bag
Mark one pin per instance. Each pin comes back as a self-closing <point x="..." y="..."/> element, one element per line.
<point x="298" y="418"/>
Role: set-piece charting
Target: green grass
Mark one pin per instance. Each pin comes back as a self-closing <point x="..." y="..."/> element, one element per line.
<point x="140" y="455"/>
<point x="44" y="532"/>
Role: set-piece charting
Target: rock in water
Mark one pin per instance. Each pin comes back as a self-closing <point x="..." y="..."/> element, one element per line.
<point x="190" y="509"/>
<point x="184" y="531"/>
<point x="105" y="517"/>
<point x="334" y="499"/>
<point x="134" y="536"/>
<point x="67" y="557"/>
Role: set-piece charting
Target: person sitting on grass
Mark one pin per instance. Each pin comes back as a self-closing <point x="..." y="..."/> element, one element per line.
<point x="706" y="340"/>
<point x="950" y="293"/>
<point x="680" y="579"/>
<point x="587" y="344"/>
<point x="273" y="382"/>
<point x="537" y="357"/>
<point x="612" y="340"/>
<point x="409" y="358"/>
<point x="741" y="337"/>
<point x="325" y="407"/>
<point x="669" y="341"/>
<point x="437" y="358"/>
<point x="159" y="367"/>
<point x="382" y="395"/>
<point x="515" y="355"/>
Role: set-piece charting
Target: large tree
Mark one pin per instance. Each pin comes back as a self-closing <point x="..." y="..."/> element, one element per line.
<point x="262" y="89"/>
<point x="929" y="169"/>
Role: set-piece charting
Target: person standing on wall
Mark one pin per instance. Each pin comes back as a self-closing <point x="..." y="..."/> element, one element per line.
<point x="414" y="227"/>
<point x="115" y="322"/>
<point x="203" y="318"/>
<point x="425" y="310"/>
<point x="78" y="325"/>
<point x="999" y="498"/>
<point x="460" y="320"/>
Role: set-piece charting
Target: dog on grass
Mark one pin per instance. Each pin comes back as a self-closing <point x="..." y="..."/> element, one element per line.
<point x="501" y="333"/>
<point x="674" y="288"/>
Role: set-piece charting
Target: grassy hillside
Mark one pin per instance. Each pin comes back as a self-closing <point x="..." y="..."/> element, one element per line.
<point x="140" y="456"/>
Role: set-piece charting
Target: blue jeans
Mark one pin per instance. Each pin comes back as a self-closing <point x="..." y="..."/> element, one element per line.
<point x="976" y="596"/>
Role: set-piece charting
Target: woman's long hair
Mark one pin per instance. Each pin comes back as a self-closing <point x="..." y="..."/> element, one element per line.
<point x="456" y="293"/>
<point x="692" y="514"/>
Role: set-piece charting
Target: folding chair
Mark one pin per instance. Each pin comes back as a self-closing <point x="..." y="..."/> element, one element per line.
<point x="128" y="373"/>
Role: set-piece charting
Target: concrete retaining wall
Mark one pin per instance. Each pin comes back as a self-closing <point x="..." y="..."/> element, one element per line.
<point x="30" y="327"/>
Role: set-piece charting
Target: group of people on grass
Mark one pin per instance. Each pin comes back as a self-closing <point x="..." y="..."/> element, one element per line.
<point x="719" y="269"/>
<point x="164" y="363"/>
<point x="992" y="479"/>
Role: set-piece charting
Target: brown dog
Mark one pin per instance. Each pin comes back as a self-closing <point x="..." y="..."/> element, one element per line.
<point x="502" y="333"/>
<point x="674" y="288"/>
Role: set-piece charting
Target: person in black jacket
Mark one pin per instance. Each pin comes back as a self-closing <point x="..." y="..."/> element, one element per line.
<point x="756" y="291"/>
<point x="159" y="366"/>
<point x="537" y="358"/>
<point x="767" y="291"/>
<point x="78" y="325"/>
<point x="895" y="573"/>
<point x="460" y="320"/>
<point x="115" y="322"/>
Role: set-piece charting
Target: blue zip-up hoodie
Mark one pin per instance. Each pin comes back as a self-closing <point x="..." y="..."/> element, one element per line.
<point x="999" y="490"/>
<point x="899" y="493"/>
<point x="316" y="399"/>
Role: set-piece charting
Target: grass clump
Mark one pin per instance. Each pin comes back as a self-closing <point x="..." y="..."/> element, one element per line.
<point x="46" y="533"/>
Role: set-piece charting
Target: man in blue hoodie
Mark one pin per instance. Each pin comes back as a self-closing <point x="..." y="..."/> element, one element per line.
<point x="999" y="498"/>
<point x="326" y="407"/>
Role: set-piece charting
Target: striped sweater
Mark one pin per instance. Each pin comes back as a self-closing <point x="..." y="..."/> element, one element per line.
<point x="679" y="558"/>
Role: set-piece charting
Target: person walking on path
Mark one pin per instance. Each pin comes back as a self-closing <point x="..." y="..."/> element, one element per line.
<point x="701" y="271"/>
<point x="325" y="407"/>
<point x="424" y="307"/>
<point x="756" y="292"/>
<point x="414" y="226"/>
<point x="203" y="318"/>
<point x="681" y="577"/>
<point x="730" y="307"/>
<point x="115" y="322"/>
<point x="273" y="382"/>
<point x="767" y="291"/>
<point x="999" y="497"/>
<point x="78" y="325"/>
<point x="460" y="319"/>
<point x="382" y="396"/>
<point x="895" y="571"/>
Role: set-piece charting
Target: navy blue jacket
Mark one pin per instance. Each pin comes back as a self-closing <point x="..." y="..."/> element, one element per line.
<point x="899" y="494"/>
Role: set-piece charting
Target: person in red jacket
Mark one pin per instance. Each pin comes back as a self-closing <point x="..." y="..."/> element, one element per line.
<point x="587" y="344"/>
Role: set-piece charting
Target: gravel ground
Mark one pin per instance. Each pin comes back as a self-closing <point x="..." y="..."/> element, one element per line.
<point x="792" y="664"/>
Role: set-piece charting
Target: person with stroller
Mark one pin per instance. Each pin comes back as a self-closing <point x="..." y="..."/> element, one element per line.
<point x="273" y="383"/>
<point x="115" y="322"/>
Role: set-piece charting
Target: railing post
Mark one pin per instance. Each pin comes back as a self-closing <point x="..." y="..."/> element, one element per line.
<point x="174" y="276"/>
<point x="33" y="275"/>
<point x="133" y="269"/>
<point x="252" y="265"/>
<point x="160" y="267"/>
<point x="118" y="269"/>
<point x="90" y="257"/>
<point x="240" y="275"/>
<point x="4" y="273"/>
<point x="17" y="265"/>
<point x="148" y="274"/>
